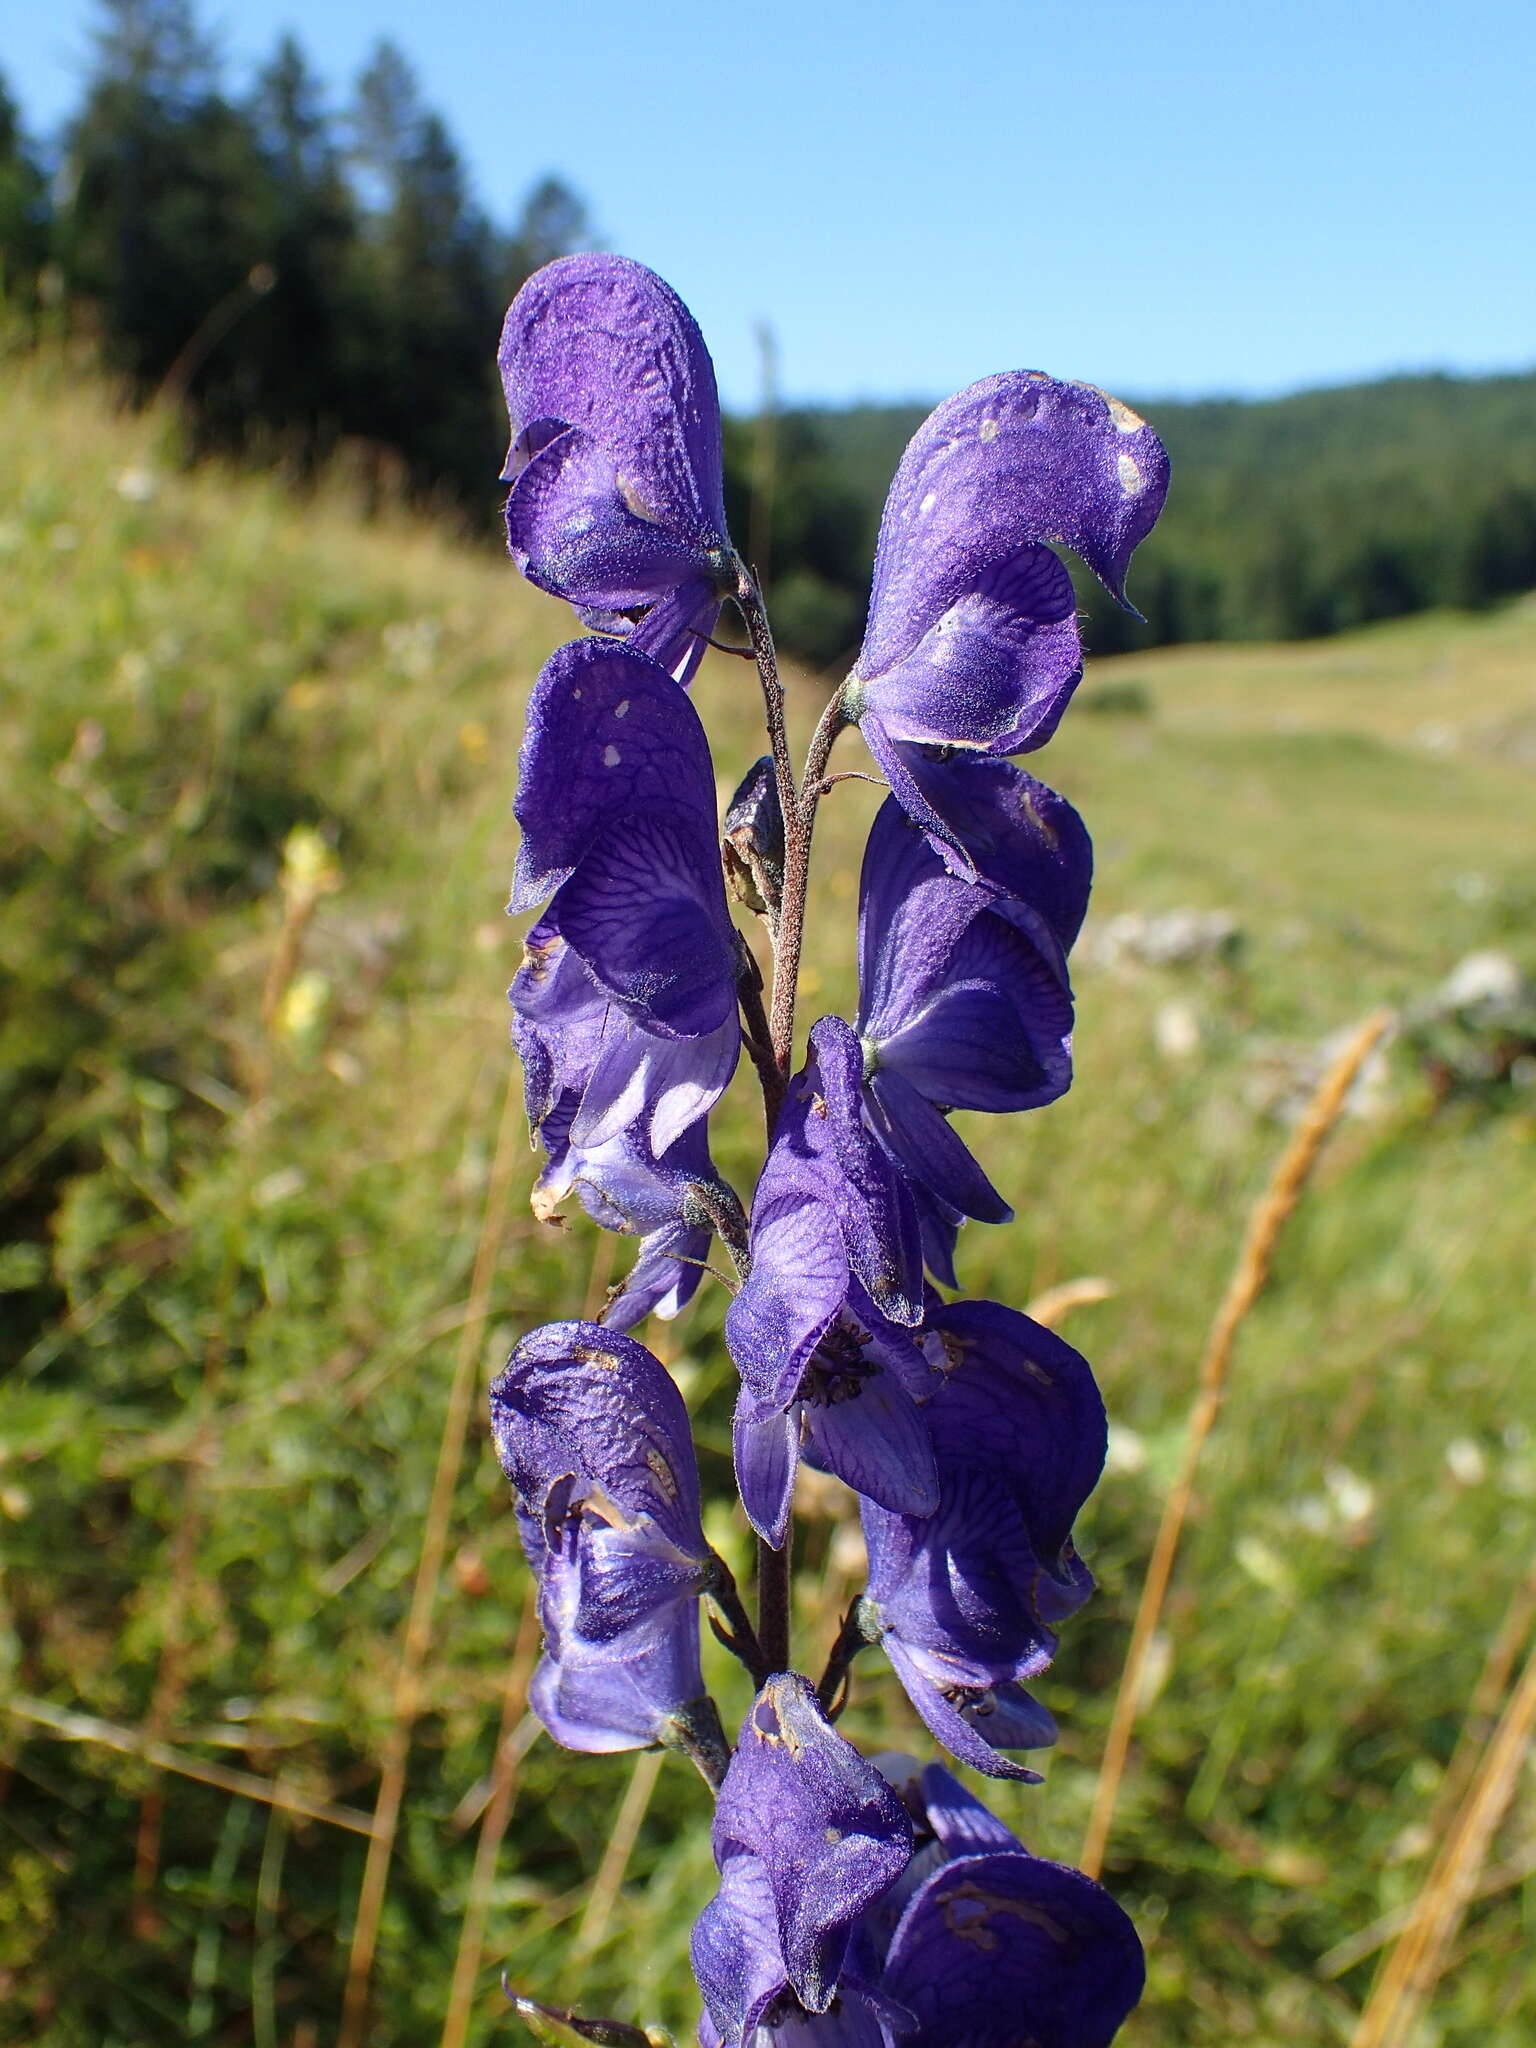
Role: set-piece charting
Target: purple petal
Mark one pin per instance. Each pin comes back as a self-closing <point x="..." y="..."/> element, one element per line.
<point x="957" y="1817"/>
<point x="608" y="732"/>
<point x="990" y="820"/>
<point x="676" y="631"/>
<point x="645" y="909"/>
<point x="998" y="1038"/>
<point x="664" y="1277"/>
<point x="665" y="1085"/>
<point x="963" y="998"/>
<point x="995" y="671"/>
<point x="878" y="1220"/>
<point x="967" y="1597"/>
<point x="626" y="1581"/>
<point x="1007" y="1372"/>
<point x="735" y="1950"/>
<point x="828" y="1830"/>
<point x="877" y="1443"/>
<point x="619" y="1695"/>
<point x="943" y="1710"/>
<point x="767" y="1456"/>
<point x="797" y="1283"/>
<point x="574" y="1396"/>
<point x="930" y="1152"/>
<point x="574" y="530"/>
<point x="1011" y="462"/>
<point x="1062" y="1963"/>
<point x="629" y="498"/>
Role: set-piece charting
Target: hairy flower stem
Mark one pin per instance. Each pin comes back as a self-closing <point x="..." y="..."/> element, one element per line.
<point x="737" y="1632"/>
<point x="799" y="808"/>
<point x="759" y="1043"/>
<point x="858" y="1631"/>
<point x="754" y="612"/>
<point x="799" y="830"/>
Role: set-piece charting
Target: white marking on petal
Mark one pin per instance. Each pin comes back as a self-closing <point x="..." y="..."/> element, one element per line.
<point x="610" y="757"/>
<point x="929" y="502"/>
<point x="1126" y="421"/>
<point x="1128" y="469"/>
<point x="630" y="493"/>
<point x="988" y="430"/>
<point x="621" y="709"/>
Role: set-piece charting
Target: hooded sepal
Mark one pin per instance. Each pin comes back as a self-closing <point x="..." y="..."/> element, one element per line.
<point x="967" y="1599"/>
<point x="615" y="461"/>
<point x="807" y="1834"/>
<point x="595" y="1438"/>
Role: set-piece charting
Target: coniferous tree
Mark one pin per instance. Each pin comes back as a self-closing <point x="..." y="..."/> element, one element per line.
<point x="554" y="222"/>
<point x="161" y="230"/>
<point x="429" y="273"/>
<point x="23" y="212"/>
<point x="301" y="339"/>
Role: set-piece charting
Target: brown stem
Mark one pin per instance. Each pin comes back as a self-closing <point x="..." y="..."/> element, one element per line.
<point x="799" y="830"/>
<point x="799" y="808"/>
<point x="858" y="1631"/>
<point x="773" y="1603"/>
<point x="737" y="1632"/>
<point x="750" y="600"/>
<point x="759" y="1043"/>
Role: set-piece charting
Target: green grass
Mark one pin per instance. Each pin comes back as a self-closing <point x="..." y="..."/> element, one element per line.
<point x="239" y="1262"/>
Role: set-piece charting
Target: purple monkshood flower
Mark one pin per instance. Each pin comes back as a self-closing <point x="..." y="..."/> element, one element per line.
<point x="964" y="1000"/>
<point x="616" y="500"/>
<point x="964" y="1601"/>
<point x="671" y="1201"/>
<point x="988" y="1946"/>
<point x="616" y="799"/>
<point x="835" y="1280"/>
<point x="594" y="1436"/>
<point x="807" y="1834"/>
<point x="972" y="634"/>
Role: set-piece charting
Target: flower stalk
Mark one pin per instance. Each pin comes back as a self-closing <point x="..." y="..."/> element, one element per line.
<point x="852" y="1897"/>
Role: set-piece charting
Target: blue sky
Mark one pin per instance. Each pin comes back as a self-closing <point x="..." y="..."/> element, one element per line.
<point x="1176" y="196"/>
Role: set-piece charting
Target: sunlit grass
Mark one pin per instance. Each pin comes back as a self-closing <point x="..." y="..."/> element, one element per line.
<point x="245" y="1254"/>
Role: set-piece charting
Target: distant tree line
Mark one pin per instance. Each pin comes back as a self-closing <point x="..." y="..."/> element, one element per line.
<point x="301" y="276"/>
<point x="1288" y="517"/>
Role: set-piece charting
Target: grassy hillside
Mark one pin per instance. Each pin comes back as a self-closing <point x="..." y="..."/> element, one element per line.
<point x="257" y="760"/>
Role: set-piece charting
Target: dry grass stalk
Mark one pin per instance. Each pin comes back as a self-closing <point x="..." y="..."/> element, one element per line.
<point x="1252" y="1271"/>
<point x="1482" y="1708"/>
<point x="1417" y="1962"/>
<point x="493" y="1828"/>
<point x="429" y="1571"/>
<point x="620" y="1847"/>
<point x="1054" y="1306"/>
<point x="1377" y="1933"/>
<point x="165" y="1757"/>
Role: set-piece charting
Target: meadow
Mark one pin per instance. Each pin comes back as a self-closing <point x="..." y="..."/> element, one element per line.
<point x="264" y="1237"/>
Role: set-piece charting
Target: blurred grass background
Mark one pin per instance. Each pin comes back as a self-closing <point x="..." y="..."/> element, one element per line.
<point x="257" y="759"/>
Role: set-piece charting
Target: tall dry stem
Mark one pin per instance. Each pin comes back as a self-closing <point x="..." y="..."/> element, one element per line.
<point x="493" y="1827"/>
<point x="1407" y="1980"/>
<point x="1248" y="1279"/>
<point x="1483" y="1706"/>
<point x="622" y="1837"/>
<point x="429" y="1570"/>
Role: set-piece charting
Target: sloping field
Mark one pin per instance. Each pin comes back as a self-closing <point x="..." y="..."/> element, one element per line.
<point x="257" y="759"/>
